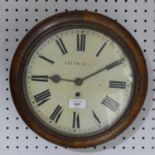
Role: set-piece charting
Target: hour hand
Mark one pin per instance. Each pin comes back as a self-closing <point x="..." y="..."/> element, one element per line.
<point x="57" y="78"/>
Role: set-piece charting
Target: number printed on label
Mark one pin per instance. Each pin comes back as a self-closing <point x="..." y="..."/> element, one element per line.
<point x="77" y="103"/>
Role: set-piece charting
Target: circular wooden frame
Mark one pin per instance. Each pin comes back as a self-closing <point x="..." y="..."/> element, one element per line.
<point x="98" y="22"/>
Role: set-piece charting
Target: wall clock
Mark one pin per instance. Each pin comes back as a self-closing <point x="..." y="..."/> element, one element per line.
<point x="78" y="79"/>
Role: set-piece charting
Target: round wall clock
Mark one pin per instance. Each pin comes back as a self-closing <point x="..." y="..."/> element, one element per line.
<point x="78" y="79"/>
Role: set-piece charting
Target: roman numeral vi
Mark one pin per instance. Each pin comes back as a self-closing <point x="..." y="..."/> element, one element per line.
<point x="76" y="120"/>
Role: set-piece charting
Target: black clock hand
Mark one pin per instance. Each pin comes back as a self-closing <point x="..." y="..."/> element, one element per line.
<point x="56" y="78"/>
<point x="78" y="81"/>
<point x="108" y="67"/>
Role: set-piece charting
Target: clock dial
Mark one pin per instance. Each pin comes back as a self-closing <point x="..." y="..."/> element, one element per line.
<point x="79" y="82"/>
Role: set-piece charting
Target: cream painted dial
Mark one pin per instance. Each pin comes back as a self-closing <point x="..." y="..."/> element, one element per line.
<point x="78" y="82"/>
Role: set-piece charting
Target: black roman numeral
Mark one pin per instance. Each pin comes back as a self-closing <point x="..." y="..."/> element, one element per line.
<point x="56" y="114"/>
<point x="42" y="97"/>
<point x="117" y="84"/>
<point x="100" y="50"/>
<point x="76" y="120"/>
<point x="96" y="117"/>
<point x="110" y="103"/>
<point x="61" y="46"/>
<point x="81" y="42"/>
<point x="46" y="59"/>
<point x="42" y="78"/>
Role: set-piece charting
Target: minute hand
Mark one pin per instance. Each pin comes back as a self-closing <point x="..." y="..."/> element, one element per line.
<point x="110" y="66"/>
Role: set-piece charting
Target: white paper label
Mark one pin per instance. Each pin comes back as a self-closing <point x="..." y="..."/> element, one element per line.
<point x="77" y="103"/>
